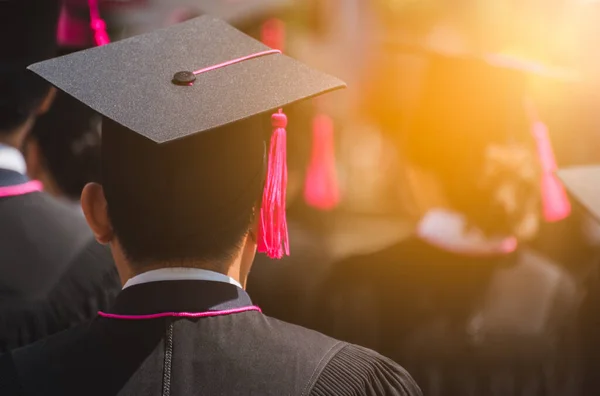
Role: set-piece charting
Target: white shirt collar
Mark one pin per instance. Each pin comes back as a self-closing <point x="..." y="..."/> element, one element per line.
<point x="449" y="230"/>
<point x="179" y="273"/>
<point x="12" y="159"/>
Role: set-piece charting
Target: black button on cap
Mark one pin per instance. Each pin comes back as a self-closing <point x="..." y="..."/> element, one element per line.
<point x="184" y="78"/>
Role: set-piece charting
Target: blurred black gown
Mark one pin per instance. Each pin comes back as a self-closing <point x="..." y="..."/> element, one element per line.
<point x="461" y="326"/>
<point x="53" y="274"/>
<point x="285" y="288"/>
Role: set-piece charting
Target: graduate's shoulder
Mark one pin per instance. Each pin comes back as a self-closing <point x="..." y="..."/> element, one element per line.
<point x="362" y="267"/>
<point x="40" y="362"/>
<point x="42" y="354"/>
<point x="360" y="371"/>
<point x="341" y="368"/>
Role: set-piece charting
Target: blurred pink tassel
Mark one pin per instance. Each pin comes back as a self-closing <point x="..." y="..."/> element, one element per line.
<point x="555" y="202"/>
<point x="71" y="32"/>
<point x="97" y="23"/>
<point x="273" y="230"/>
<point x="273" y="34"/>
<point x="321" y="188"/>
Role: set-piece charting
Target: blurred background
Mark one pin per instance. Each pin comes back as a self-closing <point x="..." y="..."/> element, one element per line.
<point x="369" y="43"/>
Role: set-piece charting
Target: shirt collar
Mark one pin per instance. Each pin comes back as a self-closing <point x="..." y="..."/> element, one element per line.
<point x="178" y="274"/>
<point x="12" y="159"/>
<point x="449" y="230"/>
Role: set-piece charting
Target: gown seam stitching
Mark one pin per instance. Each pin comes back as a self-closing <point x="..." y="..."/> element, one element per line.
<point x="166" y="391"/>
<point x="319" y="368"/>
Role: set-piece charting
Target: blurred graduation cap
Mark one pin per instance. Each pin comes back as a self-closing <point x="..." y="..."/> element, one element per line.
<point x="240" y="13"/>
<point x="183" y="133"/>
<point x="583" y="184"/>
<point x="27" y="34"/>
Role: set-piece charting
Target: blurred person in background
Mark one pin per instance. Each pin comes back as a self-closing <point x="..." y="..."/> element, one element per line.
<point x="63" y="149"/>
<point x="53" y="275"/>
<point x="463" y="303"/>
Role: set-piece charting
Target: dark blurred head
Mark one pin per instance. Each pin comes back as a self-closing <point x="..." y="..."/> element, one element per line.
<point x="470" y="129"/>
<point x="27" y="35"/>
<point x="67" y="141"/>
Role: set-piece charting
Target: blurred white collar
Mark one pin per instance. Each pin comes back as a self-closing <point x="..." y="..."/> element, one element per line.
<point x="12" y="159"/>
<point x="179" y="273"/>
<point x="448" y="230"/>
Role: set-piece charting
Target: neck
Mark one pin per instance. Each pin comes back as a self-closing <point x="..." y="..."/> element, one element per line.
<point x="16" y="138"/>
<point x="50" y="186"/>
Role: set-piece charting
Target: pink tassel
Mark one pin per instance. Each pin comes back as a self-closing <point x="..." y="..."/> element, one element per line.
<point x="273" y="231"/>
<point x="321" y="188"/>
<point x="555" y="202"/>
<point x="70" y="32"/>
<point x="97" y="23"/>
<point x="273" y="34"/>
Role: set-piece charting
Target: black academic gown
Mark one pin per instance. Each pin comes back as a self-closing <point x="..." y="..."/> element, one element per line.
<point x="53" y="275"/>
<point x="461" y="326"/>
<point x="243" y="353"/>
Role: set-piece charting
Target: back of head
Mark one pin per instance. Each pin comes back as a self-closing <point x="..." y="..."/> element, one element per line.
<point x="189" y="200"/>
<point x="27" y="35"/>
<point x="68" y="137"/>
<point x="471" y="130"/>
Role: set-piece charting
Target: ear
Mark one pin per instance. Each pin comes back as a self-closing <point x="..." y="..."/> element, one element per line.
<point x="249" y="248"/>
<point x="95" y="209"/>
<point x="47" y="102"/>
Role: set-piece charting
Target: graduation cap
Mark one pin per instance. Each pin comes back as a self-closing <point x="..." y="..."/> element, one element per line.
<point x="583" y="184"/>
<point x="183" y="133"/>
<point x="246" y="15"/>
<point x="256" y="18"/>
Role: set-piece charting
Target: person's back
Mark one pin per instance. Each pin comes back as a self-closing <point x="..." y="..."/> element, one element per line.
<point x="235" y="350"/>
<point x="463" y="303"/>
<point x="458" y="323"/>
<point x="53" y="275"/>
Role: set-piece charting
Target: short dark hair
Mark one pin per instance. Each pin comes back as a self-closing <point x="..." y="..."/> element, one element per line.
<point x="187" y="200"/>
<point x="69" y="140"/>
<point x="21" y="93"/>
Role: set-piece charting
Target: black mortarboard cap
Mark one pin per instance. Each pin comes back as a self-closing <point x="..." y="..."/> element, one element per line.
<point x="583" y="184"/>
<point x="467" y="94"/>
<point x="131" y="81"/>
<point x="181" y="148"/>
<point x="466" y="104"/>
